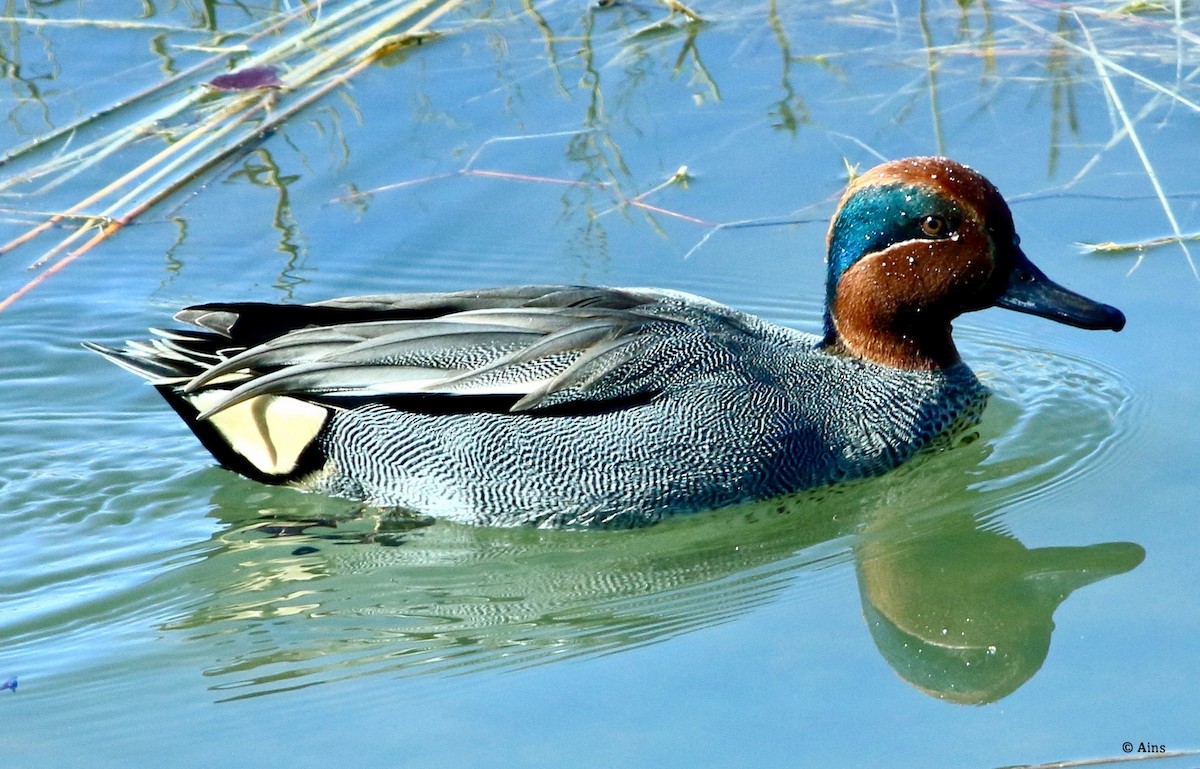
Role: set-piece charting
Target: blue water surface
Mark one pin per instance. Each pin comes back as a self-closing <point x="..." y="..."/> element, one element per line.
<point x="1021" y="597"/>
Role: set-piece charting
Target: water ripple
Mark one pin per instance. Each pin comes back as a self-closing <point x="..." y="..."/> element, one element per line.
<point x="121" y="532"/>
<point x="1053" y="417"/>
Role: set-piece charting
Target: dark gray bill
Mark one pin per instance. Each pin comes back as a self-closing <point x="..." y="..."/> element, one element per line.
<point x="1029" y="290"/>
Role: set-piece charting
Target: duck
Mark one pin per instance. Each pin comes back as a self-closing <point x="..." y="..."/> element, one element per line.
<point x="582" y="406"/>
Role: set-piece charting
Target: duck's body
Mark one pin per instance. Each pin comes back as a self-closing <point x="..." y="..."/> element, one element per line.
<point x="680" y="424"/>
<point x="579" y="406"/>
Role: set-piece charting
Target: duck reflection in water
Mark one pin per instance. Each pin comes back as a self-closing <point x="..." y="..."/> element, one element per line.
<point x="964" y="612"/>
<point x="958" y="608"/>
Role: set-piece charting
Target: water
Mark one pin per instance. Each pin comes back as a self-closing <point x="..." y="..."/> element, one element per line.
<point x="1020" y="597"/>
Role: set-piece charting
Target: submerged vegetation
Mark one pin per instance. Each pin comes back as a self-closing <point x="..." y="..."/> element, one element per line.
<point x="222" y="117"/>
<point x="227" y="88"/>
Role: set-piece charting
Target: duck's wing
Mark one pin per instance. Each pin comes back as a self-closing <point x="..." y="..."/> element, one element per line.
<point x="259" y="383"/>
<point x="527" y="349"/>
<point x="252" y="323"/>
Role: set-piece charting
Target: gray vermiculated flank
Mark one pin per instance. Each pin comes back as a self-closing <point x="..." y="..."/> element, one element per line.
<point x="745" y="410"/>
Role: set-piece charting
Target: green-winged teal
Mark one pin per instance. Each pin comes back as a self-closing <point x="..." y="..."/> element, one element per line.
<point x="567" y="405"/>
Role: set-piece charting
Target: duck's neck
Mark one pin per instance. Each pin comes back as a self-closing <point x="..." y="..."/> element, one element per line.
<point x="869" y="326"/>
<point x="916" y="351"/>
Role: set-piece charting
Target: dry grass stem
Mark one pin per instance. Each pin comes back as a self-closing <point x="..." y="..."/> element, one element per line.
<point x="1102" y="71"/>
<point x="312" y="62"/>
<point x="1105" y="761"/>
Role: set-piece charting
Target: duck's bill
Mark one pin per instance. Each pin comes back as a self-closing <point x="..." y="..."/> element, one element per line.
<point x="1029" y="290"/>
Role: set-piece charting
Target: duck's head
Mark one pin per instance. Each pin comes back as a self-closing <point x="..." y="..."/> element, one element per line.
<point x="917" y="242"/>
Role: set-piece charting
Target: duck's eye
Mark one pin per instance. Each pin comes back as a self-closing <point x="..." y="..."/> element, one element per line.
<point x="934" y="226"/>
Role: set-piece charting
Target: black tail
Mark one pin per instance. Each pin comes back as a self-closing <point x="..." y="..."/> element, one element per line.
<point x="271" y="439"/>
